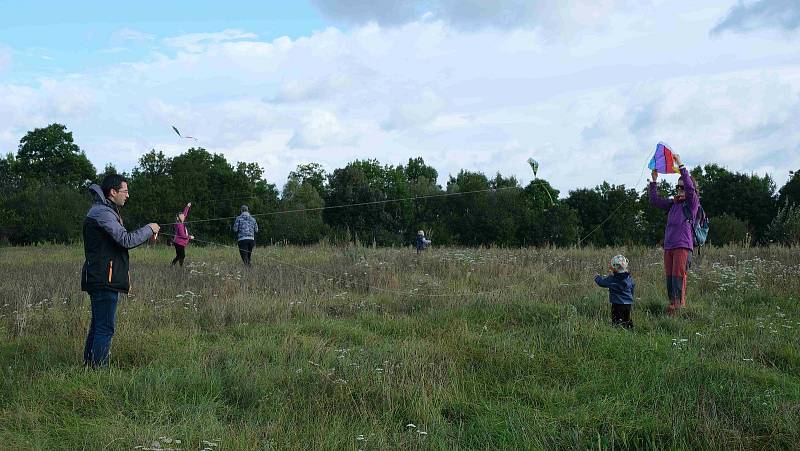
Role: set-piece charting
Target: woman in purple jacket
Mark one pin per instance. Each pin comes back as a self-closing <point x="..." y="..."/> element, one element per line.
<point x="182" y="236"/>
<point x="678" y="237"/>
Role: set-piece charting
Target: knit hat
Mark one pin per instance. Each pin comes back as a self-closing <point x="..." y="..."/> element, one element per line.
<point x="619" y="263"/>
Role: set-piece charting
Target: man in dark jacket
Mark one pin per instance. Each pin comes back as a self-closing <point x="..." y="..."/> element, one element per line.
<point x="105" y="271"/>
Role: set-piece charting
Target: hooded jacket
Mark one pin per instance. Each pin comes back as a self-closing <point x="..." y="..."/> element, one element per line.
<point x="106" y="244"/>
<point x="678" y="233"/>
<point x="620" y="287"/>
<point x="245" y="227"/>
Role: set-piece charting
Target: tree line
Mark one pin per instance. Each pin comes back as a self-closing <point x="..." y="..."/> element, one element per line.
<point x="43" y="198"/>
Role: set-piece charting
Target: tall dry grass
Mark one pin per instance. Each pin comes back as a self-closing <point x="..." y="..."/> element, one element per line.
<point x="361" y="348"/>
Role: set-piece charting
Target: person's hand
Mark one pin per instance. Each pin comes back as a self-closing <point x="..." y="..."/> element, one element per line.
<point x="677" y="159"/>
<point x="654" y="174"/>
<point x="189" y="204"/>
<point x="191" y="237"/>
<point x="154" y="227"/>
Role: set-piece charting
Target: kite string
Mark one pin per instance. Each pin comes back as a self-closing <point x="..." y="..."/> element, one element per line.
<point x="357" y="204"/>
<point x="613" y="212"/>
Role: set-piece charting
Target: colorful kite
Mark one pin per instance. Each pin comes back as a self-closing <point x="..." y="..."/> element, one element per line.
<point x="662" y="161"/>
<point x="184" y="137"/>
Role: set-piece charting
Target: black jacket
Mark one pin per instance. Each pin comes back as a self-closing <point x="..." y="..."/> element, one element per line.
<point x="106" y="244"/>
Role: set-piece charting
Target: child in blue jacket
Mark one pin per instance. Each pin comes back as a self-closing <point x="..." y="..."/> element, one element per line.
<point x="620" y="291"/>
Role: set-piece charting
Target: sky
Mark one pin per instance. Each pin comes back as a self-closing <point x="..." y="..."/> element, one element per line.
<point x="586" y="87"/>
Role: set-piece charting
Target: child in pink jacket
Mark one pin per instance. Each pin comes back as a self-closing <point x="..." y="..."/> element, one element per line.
<point x="182" y="236"/>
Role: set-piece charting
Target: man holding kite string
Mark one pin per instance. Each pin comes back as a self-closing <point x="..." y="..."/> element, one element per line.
<point x="105" y="270"/>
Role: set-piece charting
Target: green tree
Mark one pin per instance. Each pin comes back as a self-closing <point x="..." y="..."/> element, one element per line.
<point x="51" y="156"/>
<point x="9" y="184"/>
<point x="750" y="198"/>
<point x="790" y="192"/>
<point x="591" y="209"/>
<point x="312" y="174"/>
<point x="356" y="200"/>
<point x="609" y="214"/>
<point x="417" y="169"/>
<point x="40" y="213"/>
<point x="40" y="189"/>
<point x="728" y="229"/>
<point x="561" y="226"/>
<point x="109" y="169"/>
<point x="151" y="193"/>
<point x="426" y="211"/>
<point x="544" y="219"/>
<point x="541" y="194"/>
<point x="785" y="227"/>
<point x="397" y="224"/>
<point x="302" y="223"/>
<point x="468" y="214"/>
<point x="10" y="180"/>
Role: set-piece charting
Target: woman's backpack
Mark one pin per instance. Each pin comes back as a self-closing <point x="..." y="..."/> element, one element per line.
<point x="700" y="224"/>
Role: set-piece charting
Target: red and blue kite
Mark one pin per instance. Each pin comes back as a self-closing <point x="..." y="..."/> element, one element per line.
<point x="662" y="160"/>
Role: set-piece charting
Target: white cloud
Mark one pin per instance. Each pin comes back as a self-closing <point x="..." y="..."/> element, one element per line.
<point x="474" y="14"/>
<point x="420" y="109"/>
<point x="53" y="100"/>
<point x="769" y="14"/>
<point x="67" y="99"/>
<point x="589" y="108"/>
<point x="130" y="34"/>
<point x="196" y="42"/>
<point x="448" y="122"/>
<point x="320" y="128"/>
<point x="5" y="57"/>
<point x="310" y="90"/>
<point x="113" y="50"/>
<point x="23" y="108"/>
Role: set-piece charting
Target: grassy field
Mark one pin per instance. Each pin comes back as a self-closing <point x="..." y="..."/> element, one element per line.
<point x="358" y="348"/>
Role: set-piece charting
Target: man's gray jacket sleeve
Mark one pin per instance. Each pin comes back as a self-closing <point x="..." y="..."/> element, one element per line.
<point x="108" y="221"/>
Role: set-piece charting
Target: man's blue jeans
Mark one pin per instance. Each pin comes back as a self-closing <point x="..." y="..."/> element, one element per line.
<point x="101" y="329"/>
